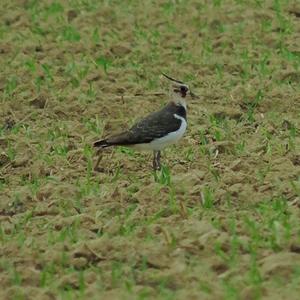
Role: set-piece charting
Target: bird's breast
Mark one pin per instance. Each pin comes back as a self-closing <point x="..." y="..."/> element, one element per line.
<point x="169" y="139"/>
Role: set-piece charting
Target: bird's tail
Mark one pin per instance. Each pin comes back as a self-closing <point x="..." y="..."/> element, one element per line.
<point x="115" y="140"/>
<point x="102" y="144"/>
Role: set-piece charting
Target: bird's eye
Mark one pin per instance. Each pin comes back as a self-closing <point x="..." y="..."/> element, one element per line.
<point x="183" y="89"/>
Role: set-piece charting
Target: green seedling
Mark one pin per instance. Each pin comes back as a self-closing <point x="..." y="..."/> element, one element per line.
<point x="230" y="290"/>
<point x="70" y="34"/>
<point x="54" y="8"/>
<point x="47" y="275"/>
<point x="47" y="71"/>
<point x="88" y="154"/>
<point x="240" y="148"/>
<point x="103" y="62"/>
<point x="11" y="86"/>
<point x="207" y="197"/>
<point x="30" y="65"/>
<point x="116" y="273"/>
<point x="11" y="153"/>
<point x="96" y="36"/>
<point x="163" y="176"/>
<point x="16" y="277"/>
<point x="125" y="150"/>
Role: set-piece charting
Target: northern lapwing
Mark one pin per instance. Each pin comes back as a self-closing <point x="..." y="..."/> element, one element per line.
<point x="157" y="130"/>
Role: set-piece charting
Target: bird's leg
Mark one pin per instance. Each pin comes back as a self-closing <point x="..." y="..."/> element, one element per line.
<point x="99" y="159"/>
<point x="156" y="160"/>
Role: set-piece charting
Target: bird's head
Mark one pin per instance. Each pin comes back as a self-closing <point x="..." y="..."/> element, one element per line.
<point x="179" y="91"/>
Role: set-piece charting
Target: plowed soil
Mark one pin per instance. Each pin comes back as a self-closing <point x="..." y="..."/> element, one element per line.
<point x="220" y="221"/>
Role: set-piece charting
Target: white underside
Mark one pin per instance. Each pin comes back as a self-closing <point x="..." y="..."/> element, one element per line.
<point x="171" y="138"/>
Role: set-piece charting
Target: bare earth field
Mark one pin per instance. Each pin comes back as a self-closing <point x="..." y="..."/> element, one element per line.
<point x="221" y="220"/>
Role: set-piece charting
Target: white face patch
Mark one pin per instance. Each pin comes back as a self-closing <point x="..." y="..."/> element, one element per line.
<point x="177" y="95"/>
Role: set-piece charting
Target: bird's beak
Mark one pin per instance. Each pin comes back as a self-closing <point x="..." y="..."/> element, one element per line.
<point x="172" y="79"/>
<point x="194" y="96"/>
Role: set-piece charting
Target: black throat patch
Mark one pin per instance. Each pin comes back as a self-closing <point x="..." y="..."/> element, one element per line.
<point x="180" y="111"/>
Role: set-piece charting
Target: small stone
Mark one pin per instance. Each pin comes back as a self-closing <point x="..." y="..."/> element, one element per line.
<point x="39" y="102"/>
<point x="120" y="50"/>
<point x="20" y="162"/>
<point x="72" y="14"/>
<point x="79" y="262"/>
<point x="295" y="248"/>
<point x="4" y="159"/>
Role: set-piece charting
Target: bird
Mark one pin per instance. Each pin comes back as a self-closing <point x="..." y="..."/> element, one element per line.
<point x="158" y="129"/>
